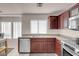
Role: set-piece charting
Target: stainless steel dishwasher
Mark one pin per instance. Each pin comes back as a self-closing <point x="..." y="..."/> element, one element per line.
<point x="24" y="45"/>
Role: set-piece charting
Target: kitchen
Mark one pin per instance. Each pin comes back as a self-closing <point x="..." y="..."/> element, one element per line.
<point x="43" y="32"/>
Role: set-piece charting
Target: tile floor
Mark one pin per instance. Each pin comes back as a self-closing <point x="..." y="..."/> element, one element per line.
<point x="14" y="52"/>
<point x="43" y="54"/>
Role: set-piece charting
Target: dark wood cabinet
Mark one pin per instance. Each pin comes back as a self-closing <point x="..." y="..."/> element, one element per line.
<point x="62" y="18"/>
<point x="53" y="22"/>
<point x="42" y="45"/>
<point x="58" y="47"/>
<point x="58" y="22"/>
<point x="74" y="10"/>
<point x="61" y="21"/>
<point x="67" y="14"/>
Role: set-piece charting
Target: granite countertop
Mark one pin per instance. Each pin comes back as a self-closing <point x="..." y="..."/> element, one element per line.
<point x="40" y="36"/>
<point x="58" y="36"/>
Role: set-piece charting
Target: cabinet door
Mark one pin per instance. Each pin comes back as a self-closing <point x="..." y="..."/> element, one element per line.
<point x="53" y="22"/>
<point x="63" y="20"/>
<point x="58" y="47"/>
<point x="42" y="45"/>
<point x="66" y="19"/>
<point x="74" y="10"/>
<point x="24" y="45"/>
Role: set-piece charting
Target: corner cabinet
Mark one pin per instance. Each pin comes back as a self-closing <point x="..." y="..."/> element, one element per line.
<point x="63" y="20"/>
<point x="58" y="47"/>
<point x="53" y="22"/>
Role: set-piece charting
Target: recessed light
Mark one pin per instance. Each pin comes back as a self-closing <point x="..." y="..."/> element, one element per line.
<point x="39" y="4"/>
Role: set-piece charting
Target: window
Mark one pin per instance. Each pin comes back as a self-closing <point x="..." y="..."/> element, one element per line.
<point x="34" y="25"/>
<point x="38" y="26"/>
<point x="11" y="29"/>
<point x="42" y="26"/>
<point x="16" y="29"/>
<point x="6" y="29"/>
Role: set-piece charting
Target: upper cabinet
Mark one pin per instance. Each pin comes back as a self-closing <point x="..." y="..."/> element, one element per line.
<point x="63" y="20"/>
<point x="64" y="17"/>
<point x="74" y="10"/>
<point x="53" y="22"/>
<point x="59" y="22"/>
<point x="74" y="18"/>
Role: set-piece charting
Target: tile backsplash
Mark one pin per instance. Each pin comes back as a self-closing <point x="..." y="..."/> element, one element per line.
<point x="71" y="33"/>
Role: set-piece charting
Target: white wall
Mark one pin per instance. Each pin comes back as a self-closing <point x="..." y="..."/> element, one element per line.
<point x="9" y="19"/>
<point x="26" y="22"/>
<point x="12" y="43"/>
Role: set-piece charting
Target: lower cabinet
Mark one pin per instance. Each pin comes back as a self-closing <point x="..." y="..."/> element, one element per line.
<point x="42" y="45"/>
<point x="23" y="45"/>
<point x="58" y="47"/>
<point x="39" y="45"/>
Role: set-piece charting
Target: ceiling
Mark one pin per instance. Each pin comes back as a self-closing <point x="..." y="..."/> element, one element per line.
<point x="24" y="8"/>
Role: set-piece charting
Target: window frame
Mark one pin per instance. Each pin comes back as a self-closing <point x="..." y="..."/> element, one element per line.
<point x="38" y="30"/>
<point x="12" y="29"/>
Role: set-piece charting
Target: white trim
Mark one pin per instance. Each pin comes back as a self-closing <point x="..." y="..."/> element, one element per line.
<point x="10" y="15"/>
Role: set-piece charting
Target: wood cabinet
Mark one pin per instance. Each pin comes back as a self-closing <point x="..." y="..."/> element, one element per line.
<point x="58" y="47"/>
<point x="74" y="10"/>
<point x="59" y="22"/>
<point x="62" y="18"/>
<point x="53" y="22"/>
<point x="42" y="45"/>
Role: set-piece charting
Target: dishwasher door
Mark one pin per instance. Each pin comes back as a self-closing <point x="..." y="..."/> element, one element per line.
<point x="24" y="45"/>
